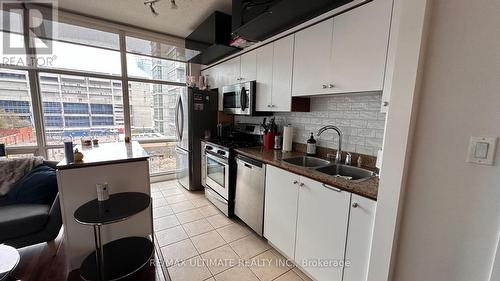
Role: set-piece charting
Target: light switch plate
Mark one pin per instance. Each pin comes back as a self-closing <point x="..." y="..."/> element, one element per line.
<point x="482" y="150"/>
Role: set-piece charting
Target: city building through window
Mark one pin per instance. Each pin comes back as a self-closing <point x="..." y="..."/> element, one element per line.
<point x="81" y="92"/>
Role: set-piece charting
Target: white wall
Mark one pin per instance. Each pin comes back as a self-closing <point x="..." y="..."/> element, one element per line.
<point x="451" y="212"/>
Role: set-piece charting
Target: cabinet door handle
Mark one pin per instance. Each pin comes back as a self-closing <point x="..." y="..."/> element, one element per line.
<point x="331" y="86"/>
<point x="295" y="182"/>
<point x="325" y="86"/>
<point x="272" y="105"/>
<point x="268" y="105"/>
<point x="385" y="103"/>
<point x="355" y="205"/>
<point x="301" y="184"/>
<point x="332" y="188"/>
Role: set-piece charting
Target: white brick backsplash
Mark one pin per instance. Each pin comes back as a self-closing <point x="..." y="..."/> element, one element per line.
<point x="336" y="114"/>
<point x="369" y="133"/>
<point x="374" y="142"/>
<point x="369" y="115"/>
<point x="357" y="115"/>
<point x="379" y="124"/>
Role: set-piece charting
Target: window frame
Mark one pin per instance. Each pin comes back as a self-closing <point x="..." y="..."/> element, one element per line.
<point x="42" y="147"/>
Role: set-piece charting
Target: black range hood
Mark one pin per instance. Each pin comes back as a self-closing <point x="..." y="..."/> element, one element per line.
<point x="260" y="19"/>
<point x="212" y="39"/>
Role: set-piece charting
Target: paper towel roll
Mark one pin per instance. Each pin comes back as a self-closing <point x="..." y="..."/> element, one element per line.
<point x="287" y="138"/>
<point x="379" y="159"/>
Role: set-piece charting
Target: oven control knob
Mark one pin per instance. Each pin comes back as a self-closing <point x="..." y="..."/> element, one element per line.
<point x="221" y="152"/>
<point x="209" y="147"/>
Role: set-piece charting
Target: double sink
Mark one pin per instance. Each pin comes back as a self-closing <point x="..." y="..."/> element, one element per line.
<point x="331" y="169"/>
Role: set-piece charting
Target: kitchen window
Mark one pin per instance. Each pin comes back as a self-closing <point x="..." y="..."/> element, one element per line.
<point x="81" y="93"/>
<point x="16" y="112"/>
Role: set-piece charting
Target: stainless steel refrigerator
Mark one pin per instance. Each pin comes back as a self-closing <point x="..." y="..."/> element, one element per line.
<point x="195" y="116"/>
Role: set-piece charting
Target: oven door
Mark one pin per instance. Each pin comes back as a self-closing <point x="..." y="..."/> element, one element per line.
<point x="217" y="174"/>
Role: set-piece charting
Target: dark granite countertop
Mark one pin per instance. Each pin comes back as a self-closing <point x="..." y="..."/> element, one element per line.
<point x="367" y="188"/>
<point x="107" y="153"/>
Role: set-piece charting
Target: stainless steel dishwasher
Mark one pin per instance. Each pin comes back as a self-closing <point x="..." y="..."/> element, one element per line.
<point x="249" y="193"/>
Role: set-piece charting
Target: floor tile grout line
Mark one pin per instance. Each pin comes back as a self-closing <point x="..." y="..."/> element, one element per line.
<point x="249" y="257"/>
<point x="201" y="232"/>
<point x="286" y="273"/>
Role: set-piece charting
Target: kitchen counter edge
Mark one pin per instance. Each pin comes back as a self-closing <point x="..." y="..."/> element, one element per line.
<point x="367" y="188"/>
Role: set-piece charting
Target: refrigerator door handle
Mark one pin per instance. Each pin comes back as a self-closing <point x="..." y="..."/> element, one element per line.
<point x="181" y="131"/>
<point x="178" y="126"/>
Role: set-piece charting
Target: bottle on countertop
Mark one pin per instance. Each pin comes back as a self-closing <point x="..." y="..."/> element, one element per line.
<point x="311" y="146"/>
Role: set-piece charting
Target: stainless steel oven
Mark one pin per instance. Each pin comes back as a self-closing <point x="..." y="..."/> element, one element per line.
<point x="217" y="175"/>
<point x="239" y="98"/>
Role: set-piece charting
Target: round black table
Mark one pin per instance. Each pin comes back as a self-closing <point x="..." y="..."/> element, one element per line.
<point x="123" y="256"/>
<point x="9" y="258"/>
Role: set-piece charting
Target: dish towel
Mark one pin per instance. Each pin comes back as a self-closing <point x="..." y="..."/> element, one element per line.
<point x="11" y="170"/>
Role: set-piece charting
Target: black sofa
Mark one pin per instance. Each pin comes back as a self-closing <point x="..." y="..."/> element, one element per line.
<point x="28" y="224"/>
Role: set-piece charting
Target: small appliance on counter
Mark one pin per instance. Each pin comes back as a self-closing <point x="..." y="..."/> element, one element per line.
<point x="219" y="168"/>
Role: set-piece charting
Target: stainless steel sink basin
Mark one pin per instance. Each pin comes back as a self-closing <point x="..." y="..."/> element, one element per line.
<point x="307" y="161"/>
<point x="350" y="172"/>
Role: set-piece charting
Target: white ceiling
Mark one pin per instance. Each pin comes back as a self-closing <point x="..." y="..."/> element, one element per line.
<point x="180" y="22"/>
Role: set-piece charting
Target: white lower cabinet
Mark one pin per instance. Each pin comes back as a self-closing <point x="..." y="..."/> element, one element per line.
<point x="280" y="211"/>
<point x="322" y="218"/>
<point x="318" y="226"/>
<point x="359" y="238"/>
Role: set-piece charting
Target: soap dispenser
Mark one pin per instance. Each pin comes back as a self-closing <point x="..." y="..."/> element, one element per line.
<point x="311" y="146"/>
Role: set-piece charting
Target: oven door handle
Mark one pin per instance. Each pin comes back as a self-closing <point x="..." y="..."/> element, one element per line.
<point x="219" y="157"/>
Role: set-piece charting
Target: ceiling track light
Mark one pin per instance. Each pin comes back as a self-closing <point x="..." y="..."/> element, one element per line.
<point x="151" y="4"/>
<point x="173" y="5"/>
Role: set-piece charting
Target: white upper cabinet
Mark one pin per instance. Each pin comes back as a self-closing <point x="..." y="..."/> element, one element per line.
<point x="359" y="238"/>
<point x="359" y="50"/>
<point x="281" y="99"/>
<point x="344" y="54"/>
<point x="311" y="59"/>
<point x="229" y="71"/>
<point x="211" y="77"/>
<point x="214" y="81"/>
<point x="274" y="75"/>
<point x="248" y="66"/>
<point x="280" y="209"/>
<point x="322" y="220"/>
<point x="264" y="89"/>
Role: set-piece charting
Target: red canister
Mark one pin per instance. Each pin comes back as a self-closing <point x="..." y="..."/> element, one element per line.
<point x="269" y="140"/>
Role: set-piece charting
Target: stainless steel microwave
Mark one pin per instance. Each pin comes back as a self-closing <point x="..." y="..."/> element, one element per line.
<point x="239" y="98"/>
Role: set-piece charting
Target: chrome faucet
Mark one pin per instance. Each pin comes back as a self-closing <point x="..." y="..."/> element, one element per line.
<point x="338" y="155"/>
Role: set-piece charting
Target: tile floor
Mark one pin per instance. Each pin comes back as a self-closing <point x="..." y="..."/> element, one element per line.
<point x="199" y="243"/>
